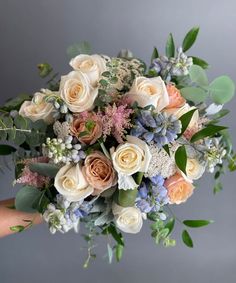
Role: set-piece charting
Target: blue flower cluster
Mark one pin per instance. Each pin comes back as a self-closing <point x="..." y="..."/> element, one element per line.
<point x="152" y="194"/>
<point x="175" y="66"/>
<point x="160" y="128"/>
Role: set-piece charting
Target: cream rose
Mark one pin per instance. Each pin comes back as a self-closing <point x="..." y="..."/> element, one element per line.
<point x="149" y="91"/>
<point x="71" y="183"/>
<point x="127" y="219"/>
<point x="91" y="65"/>
<point x="178" y="112"/>
<point x="77" y="92"/>
<point x="131" y="157"/>
<point x="38" y="109"/>
<point x="194" y="169"/>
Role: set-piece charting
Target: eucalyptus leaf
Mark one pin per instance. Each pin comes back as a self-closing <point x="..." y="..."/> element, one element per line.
<point x="44" y="69"/>
<point x="190" y="38"/>
<point x="79" y="48"/>
<point x="187" y="239"/>
<point x="15" y="103"/>
<point x="197" y="223"/>
<point x="194" y="94"/>
<point x="21" y="122"/>
<point x="26" y="197"/>
<point x="208" y="131"/>
<point x="45" y="169"/>
<point x="222" y="90"/>
<point x="170" y="46"/>
<point x="181" y="158"/>
<point x="198" y="75"/>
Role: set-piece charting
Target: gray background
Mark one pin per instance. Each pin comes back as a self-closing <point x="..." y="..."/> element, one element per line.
<point x="34" y="31"/>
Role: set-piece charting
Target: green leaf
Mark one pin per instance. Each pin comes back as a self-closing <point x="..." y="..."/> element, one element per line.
<point x="190" y="38"/>
<point x="106" y="74"/>
<point x="26" y="197"/>
<point x="170" y="46"/>
<point x="155" y="54"/>
<point x="194" y="94"/>
<point x="200" y="62"/>
<point x="6" y="149"/>
<point x="186" y="119"/>
<point x="197" y="223"/>
<point x="138" y="177"/>
<point x="15" y="103"/>
<point x="79" y="48"/>
<point x="127" y="198"/>
<point x="222" y="90"/>
<point x="119" y="252"/>
<point x="103" y="83"/>
<point x="17" y="228"/>
<point x="167" y="149"/>
<point x="220" y="114"/>
<point x="170" y="225"/>
<point x="44" y="169"/>
<point x="198" y="75"/>
<point x="117" y="236"/>
<point x="44" y="69"/>
<point x="187" y="239"/>
<point x="208" y="131"/>
<point x="110" y="253"/>
<point x="181" y="158"/>
<point x="21" y="122"/>
<point x="217" y="188"/>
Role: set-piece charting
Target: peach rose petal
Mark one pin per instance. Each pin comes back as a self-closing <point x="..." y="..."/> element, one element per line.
<point x="179" y="190"/>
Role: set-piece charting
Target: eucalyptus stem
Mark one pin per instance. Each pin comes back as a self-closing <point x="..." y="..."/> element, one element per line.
<point x="15" y="129"/>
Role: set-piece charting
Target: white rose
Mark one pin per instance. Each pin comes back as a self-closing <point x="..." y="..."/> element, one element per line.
<point x="77" y="92"/>
<point x="127" y="219"/>
<point x="178" y="112"/>
<point x="194" y="169"/>
<point x="38" y="109"/>
<point x="131" y="157"/>
<point x="149" y="91"/>
<point x="71" y="183"/>
<point x="91" y="65"/>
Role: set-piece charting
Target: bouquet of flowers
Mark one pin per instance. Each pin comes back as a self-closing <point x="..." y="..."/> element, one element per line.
<point x="113" y="142"/>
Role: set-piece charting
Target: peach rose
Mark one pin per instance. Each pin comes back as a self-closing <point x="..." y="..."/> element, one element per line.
<point x="175" y="98"/>
<point x="89" y="126"/>
<point x="179" y="190"/>
<point x="99" y="172"/>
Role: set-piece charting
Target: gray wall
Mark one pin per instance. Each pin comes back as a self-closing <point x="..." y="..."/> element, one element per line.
<point x="34" y="31"/>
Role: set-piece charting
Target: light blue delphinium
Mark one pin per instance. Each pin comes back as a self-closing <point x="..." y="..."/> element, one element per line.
<point x="174" y="66"/>
<point x="152" y="194"/>
<point x="160" y="128"/>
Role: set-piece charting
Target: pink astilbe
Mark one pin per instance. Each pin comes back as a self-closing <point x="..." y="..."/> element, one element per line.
<point x="116" y="120"/>
<point x="33" y="178"/>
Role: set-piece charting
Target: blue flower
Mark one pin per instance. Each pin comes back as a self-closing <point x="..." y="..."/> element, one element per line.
<point x="158" y="127"/>
<point x="152" y="194"/>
